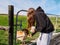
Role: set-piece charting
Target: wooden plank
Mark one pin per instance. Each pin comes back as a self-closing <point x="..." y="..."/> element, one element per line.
<point x="11" y="23"/>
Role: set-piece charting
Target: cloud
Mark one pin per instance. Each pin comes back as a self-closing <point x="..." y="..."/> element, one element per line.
<point x="43" y="3"/>
<point x="4" y="6"/>
<point x="48" y="6"/>
<point x="51" y="7"/>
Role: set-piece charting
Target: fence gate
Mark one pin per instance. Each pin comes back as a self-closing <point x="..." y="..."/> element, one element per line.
<point x="16" y="25"/>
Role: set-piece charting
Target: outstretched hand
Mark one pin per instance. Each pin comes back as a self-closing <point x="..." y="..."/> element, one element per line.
<point x="33" y="30"/>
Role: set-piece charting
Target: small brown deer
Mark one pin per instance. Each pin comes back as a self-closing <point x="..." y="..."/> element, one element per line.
<point x="21" y="35"/>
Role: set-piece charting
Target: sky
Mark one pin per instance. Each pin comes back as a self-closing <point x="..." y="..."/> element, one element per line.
<point x="49" y="6"/>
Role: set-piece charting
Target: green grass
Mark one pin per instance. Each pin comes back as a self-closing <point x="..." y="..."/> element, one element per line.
<point x="3" y="37"/>
<point x="24" y="21"/>
<point x="4" y="22"/>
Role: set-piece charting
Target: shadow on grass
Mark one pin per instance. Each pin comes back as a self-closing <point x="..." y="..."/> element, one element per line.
<point x="3" y="44"/>
<point x="27" y="43"/>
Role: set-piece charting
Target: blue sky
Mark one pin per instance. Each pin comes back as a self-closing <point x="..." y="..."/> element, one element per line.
<point x="49" y="6"/>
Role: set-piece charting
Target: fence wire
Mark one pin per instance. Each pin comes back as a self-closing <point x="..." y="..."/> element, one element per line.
<point x="56" y="21"/>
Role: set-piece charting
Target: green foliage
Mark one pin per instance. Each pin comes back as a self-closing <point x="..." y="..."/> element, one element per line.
<point x="4" y="22"/>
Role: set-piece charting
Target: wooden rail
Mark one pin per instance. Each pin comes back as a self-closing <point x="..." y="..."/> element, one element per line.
<point x="4" y="28"/>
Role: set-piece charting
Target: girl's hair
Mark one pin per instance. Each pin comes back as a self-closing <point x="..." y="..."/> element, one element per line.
<point x="30" y="17"/>
<point x="30" y="11"/>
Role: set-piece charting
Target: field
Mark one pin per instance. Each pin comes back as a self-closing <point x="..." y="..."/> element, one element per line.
<point x="4" y="22"/>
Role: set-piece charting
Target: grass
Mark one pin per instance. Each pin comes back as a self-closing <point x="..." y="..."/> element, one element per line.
<point x="3" y="37"/>
<point x="4" y="22"/>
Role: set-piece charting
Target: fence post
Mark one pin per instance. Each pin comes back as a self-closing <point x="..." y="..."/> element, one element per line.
<point x="11" y="23"/>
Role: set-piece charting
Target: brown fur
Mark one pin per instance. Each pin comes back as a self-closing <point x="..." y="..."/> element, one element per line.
<point x="22" y="34"/>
